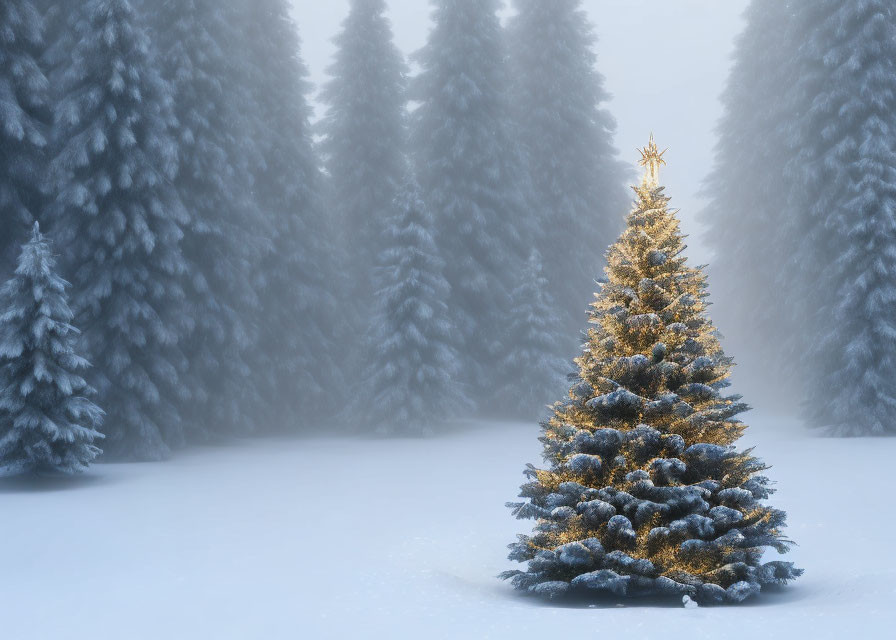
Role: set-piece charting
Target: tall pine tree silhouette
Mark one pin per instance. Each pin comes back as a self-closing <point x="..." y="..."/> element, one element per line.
<point x="228" y="235"/>
<point x="411" y="384"/>
<point x="298" y="352"/>
<point x="748" y="196"/>
<point x="120" y="220"/>
<point x="645" y="492"/>
<point x="566" y="135"/>
<point x="25" y="119"/>
<point x="842" y="210"/>
<point x="471" y="173"/>
<point x="47" y="421"/>
<point x="535" y="353"/>
<point x="364" y="143"/>
<point x="815" y="165"/>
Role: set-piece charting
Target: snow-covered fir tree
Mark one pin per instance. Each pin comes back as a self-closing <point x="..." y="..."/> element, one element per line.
<point x="24" y="119"/>
<point x="412" y="381"/>
<point x="843" y="210"/>
<point x="815" y="165"/>
<point x="120" y="220"/>
<point x="297" y="354"/>
<point x="364" y="143"/>
<point x="748" y="193"/>
<point x="535" y="353"/>
<point x="471" y="173"/>
<point x="644" y="491"/>
<point x="47" y="421"/>
<point x="566" y="135"/>
<point x="199" y="45"/>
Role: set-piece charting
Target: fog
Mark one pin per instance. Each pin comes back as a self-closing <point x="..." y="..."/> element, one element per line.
<point x="280" y="361"/>
<point x="665" y="64"/>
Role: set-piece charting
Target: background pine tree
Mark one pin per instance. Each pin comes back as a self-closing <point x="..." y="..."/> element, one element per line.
<point x="47" y="423"/>
<point x="747" y="192"/>
<point x="644" y="491"/>
<point x="566" y="134"/>
<point x="471" y="173"/>
<point x="535" y="351"/>
<point x="296" y="361"/>
<point x="801" y="209"/>
<point x="363" y="150"/>
<point x="842" y="213"/>
<point x="24" y="119"/>
<point x="411" y="384"/>
<point x="120" y="221"/>
<point x="228" y="235"/>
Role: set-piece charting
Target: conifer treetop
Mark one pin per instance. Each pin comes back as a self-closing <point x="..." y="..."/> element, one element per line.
<point x="652" y="158"/>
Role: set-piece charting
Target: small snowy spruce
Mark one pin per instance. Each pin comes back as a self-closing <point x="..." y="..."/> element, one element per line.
<point x="536" y="370"/>
<point x="471" y="172"/>
<point x="47" y="422"/>
<point x="297" y="355"/>
<point x="120" y="220"/>
<point x="411" y="385"/>
<point x="363" y="148"/>
<point x="645" y="492"/>
<point x="24" y="119"/>
<point x="566" y="135"/>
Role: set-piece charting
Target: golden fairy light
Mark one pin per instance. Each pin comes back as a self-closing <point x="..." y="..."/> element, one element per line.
<point x="652" y="158"/>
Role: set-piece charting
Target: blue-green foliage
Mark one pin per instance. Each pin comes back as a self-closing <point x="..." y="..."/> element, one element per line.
<point x="411" y="383"/>
<point x="566" y="135"/>
<point x="24" y="116"/>
<point x="297" y="353"/>
<point x="815" y="164"/>
<point x="120" y="221"/>
<point x="47" y="422"/>
<point x="536" y="355"/>
<point x="748" y="191"/>
<point x="842" y="212"/>
<point x="471" y="174"/>
<point x="364" y="139"/>
<point x="227" y="236"/>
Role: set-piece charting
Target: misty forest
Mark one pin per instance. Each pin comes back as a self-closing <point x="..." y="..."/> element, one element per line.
<point x="277" y="341"/>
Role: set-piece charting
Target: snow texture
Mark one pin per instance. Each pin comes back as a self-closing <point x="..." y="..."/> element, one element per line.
<point x="231" y="556"/>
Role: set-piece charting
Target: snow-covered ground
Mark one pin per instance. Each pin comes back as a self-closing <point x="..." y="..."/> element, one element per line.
<point x="341" y="538"/>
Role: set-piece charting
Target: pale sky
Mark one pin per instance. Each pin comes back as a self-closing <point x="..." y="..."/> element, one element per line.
<point x="665" y="62"/>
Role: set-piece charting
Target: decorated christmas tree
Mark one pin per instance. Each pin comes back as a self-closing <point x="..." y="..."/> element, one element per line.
<point x="645" y="492"/>
<point x="47" y="423"/>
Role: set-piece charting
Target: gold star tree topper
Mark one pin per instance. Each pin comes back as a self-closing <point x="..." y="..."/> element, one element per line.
<point x="652" y="158"/>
